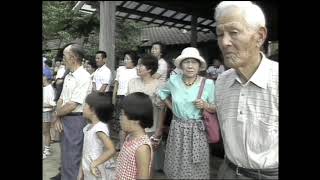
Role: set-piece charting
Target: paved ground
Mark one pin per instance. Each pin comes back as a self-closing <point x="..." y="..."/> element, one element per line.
<point x="51" y="164"/>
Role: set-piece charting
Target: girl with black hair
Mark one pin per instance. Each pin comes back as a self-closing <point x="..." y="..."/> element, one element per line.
<point x="135" y="158"/>
<point x="98" y="148"/>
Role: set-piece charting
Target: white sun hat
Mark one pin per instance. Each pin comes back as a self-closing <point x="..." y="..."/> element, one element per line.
<point x="190" y="52"/>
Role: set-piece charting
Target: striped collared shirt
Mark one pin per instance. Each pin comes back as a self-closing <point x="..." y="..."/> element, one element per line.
<point x="248" y="115"/>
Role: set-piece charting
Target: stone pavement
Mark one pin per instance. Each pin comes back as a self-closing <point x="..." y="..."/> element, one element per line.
<point x="51" y="165"/>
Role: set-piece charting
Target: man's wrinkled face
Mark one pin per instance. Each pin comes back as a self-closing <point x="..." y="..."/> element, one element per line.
<point x="236" y="40"/>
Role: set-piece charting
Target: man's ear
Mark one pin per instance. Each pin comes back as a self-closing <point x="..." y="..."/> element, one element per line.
<point x="262" y="35"/>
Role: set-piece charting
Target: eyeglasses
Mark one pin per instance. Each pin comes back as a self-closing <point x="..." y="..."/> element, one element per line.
<point x="188" y="61"/>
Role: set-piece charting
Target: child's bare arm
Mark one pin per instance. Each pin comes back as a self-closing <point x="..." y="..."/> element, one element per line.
<point x="143" y="157"/>
<point x="108" y="153"/>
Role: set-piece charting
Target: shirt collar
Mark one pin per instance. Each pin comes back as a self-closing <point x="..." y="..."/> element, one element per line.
<point x="259" y="77"/>
<point x="233" y="77"/>
<point x="102" y="67"/>
<point x="77" y="71"/>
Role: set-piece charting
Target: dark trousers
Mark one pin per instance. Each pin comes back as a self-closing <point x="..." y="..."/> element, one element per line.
<point x="117" y="112"/>
<point x="118" y="106"/>
<point x="226" y="172"/>
<point x="71" y="146"/>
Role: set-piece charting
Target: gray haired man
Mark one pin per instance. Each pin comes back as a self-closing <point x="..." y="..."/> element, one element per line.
<point x="68" y="115"/>
<point x="247" y="95"/>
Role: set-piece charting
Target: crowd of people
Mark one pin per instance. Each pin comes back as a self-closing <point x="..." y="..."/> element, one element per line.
<point x="81" y="99"/>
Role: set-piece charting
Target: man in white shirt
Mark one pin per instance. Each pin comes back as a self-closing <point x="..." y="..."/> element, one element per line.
<point x="102" y="76"/>
<point x="247" y="95"/>
<point x="68" y="115"/>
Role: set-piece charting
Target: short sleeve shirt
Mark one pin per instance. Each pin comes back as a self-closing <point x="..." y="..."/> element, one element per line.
<point x="162" y="69"/>
<point x="102" y="76"/>
<point x="76" y="87"/>
<point x="183" y="97"/>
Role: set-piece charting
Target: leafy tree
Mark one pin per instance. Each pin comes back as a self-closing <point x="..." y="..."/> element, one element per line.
<point x="57" y="17"/>
<point x="61" y="22"/>
<point x="127" y="37"/>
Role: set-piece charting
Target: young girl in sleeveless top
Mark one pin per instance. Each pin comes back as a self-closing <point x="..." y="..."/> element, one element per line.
<point x="135" y="157"/>
<point x="98" y="148"/>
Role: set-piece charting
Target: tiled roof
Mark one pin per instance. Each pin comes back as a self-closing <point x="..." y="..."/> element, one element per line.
<point x="171" y="36"/>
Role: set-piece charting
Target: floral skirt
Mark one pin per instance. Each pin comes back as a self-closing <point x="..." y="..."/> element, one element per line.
<point x="187" y="150"/>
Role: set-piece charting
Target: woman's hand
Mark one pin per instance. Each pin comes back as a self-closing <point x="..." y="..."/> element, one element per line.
<point x="200" y="104"/>
<point x="156" y="140"/>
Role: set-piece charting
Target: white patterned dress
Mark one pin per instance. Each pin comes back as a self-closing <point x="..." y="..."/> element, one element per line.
<point x="92" y="148"/>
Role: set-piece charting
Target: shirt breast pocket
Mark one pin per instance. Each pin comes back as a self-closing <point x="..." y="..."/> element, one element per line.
<point x="263" y="133"/>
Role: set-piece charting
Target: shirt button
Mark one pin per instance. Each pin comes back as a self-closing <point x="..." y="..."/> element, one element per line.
<point x="240" y="112"/>
<point x="242" y="94"/>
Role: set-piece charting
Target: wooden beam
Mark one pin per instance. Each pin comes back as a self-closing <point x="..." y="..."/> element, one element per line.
<point x="159" y="15"/>
<point x="184" y="7"/>
<point x="213" y="23"/>
<point x="152" y="8"/>
<point x="123" y="2"/>
<point x="202" y="21"/>
<point x="141" y="20"/>
<point x="78" y="5"/>
<point x="155" y="16"/>
<point x="194" y="31"/>
<point x="184" y="16"/>
<point x="170" y="17"/>
<point x="107" y="31"/>
<point x="172" y="25"/>
<point x="135" y="8"/>
<point x="182" y="19"/>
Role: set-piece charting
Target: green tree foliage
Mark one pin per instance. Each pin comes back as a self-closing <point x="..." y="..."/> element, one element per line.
<point x="127" y="37"/>
<point x="57" y="18"/>
<point x="61" y="22"/>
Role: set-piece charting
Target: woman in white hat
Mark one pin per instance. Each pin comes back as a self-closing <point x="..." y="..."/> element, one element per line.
<point x="187" y="150"/>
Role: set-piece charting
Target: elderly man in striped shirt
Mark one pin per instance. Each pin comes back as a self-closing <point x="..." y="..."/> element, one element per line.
<point x="247" y="95"/>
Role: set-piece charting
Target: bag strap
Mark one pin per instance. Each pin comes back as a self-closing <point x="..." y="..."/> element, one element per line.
<point x="201" y="87"/>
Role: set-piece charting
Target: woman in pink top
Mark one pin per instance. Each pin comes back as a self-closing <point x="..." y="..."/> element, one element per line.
<point x="135" y="157"/>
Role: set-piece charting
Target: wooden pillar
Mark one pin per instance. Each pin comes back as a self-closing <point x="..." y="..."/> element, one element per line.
<point x="194" y="31"/>
<point x="107" y="31"/>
